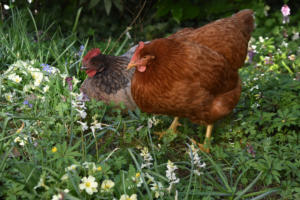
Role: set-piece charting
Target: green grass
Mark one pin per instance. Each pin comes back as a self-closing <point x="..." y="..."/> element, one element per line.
<point x="254" y="153"/>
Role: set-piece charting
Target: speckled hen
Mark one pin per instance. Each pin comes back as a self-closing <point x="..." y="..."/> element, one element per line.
<point x="108" y="80"/>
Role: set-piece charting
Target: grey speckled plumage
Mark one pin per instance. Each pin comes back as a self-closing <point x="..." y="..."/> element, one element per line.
<point x="112" y="81"/>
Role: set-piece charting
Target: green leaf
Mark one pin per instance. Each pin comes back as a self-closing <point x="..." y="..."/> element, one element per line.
<point x="93" y="3"/>
<point x="119" y="5"/>
<point x="107" y="5"/>
<point x="177" y="14"/>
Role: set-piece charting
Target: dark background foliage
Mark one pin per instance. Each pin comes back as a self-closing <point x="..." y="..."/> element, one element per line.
<point x="100" y="19"/>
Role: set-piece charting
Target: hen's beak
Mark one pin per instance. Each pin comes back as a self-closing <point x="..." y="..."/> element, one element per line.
<point x="131" y="65"/>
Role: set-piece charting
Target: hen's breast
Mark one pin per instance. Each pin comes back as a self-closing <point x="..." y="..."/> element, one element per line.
<point x="192" y="81"/>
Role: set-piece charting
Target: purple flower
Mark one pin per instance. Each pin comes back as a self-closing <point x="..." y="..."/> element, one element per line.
<point x="286" y="12"/>
<point x="26" y="102"/>
<point x="251" y="54"/>
<point x="268" y="60"/>
<point x="80" y="50"/>
<point x="250" y="149"/>
<point x="46" y="68"/>
<point x="69" y="82"/>
<point x="82" y="97"/>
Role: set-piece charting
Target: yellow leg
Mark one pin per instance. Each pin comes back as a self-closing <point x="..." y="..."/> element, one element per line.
<point x="172" y="128"/>
<point x="207" y="137"/>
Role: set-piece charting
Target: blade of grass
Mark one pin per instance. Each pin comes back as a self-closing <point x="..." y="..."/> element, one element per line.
<point x="4" y="158"/>
<point x="265" y="194"/>
<point x="122" y="45"/>
<point x="76" y="20"/>
<point x="68" y="47"/>
<point x="238" y="179"/>
<point x="220" y="172"/>
<point x="34" y="24"/>
<point x="191" y="175"/>
<point x="241" y="193"/>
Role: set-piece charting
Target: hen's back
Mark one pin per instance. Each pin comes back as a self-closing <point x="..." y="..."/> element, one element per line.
<point x="228" y="36"/>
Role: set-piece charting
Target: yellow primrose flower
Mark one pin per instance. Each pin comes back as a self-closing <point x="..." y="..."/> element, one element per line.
<point x="46" y="88"/>
<point x="72" y="167"/>
<point x="99" y="168"/>
<point x="137" y="175"/>
<point x="8" y="96"/>
<point x="127" y="197"/>
<point x="89" y="185"/>
<point x="38" y="77"/>
<point x="15" y="78"/>
<point x="107" y="185"/>
<point x="54" y="149"/>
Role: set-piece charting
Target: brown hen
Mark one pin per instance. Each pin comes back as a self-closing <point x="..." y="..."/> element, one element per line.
<point x="194" y="72"/>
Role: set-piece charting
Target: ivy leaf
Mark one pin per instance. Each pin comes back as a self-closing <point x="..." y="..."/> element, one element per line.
<point x="107" y="5"/>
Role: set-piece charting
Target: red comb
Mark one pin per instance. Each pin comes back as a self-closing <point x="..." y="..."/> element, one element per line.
<point x="141" y="45"/>
<point x="137" y="50"/>
<point x="91" y="53"/>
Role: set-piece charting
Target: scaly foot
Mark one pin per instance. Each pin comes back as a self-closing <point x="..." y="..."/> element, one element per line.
<point x="201" y="146"/>
<point x="171" y="129"/>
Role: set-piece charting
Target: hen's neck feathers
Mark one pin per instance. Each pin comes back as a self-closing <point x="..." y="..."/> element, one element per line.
<point x="166" y="52"/>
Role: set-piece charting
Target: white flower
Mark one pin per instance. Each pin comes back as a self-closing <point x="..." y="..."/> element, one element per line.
<point x="26" y="88"/>
<point x="41" y="183"/>
<point x="21" y="141"/>
<point x="9" y="96"/>
<point x="284" y="43"/>
<point x="137" y="179"/>
<point x="255" y="87"/>
<point x="29" y="1"/>
<point x="71" y="167"/>
<point x="147" y="158"/>
<point x="64" y="177"/>
<point x="14" y="77"/>
<point x="157" y="188"/>
<point x="126" y="197"/>
<point x="170" y="174"/>
<point x="89" y="185"/>
<point x="64" y="76"/>
<point x="151" y="178"/>
<point x="37" y="76"/>
<point x="89" y="165"/>
<point x="152" y="121"/>
<point x="80" y="105"/>
<point x="6" y="7"/>
<point x="196" y="159"/>
<point x="84" y="125"/>
<point x="292" y="57"/>
<point x="295" y="36"/>
<point x="107" y="185"/>
<point x="261" y="39"/>
<point x="66" y="190"/>
<point x="46" y="88"/>
<point x="57" y="197"/>
<point x="82" y="113"/>
<point x="95" y="126"/>
<point x="75" y="81"/>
